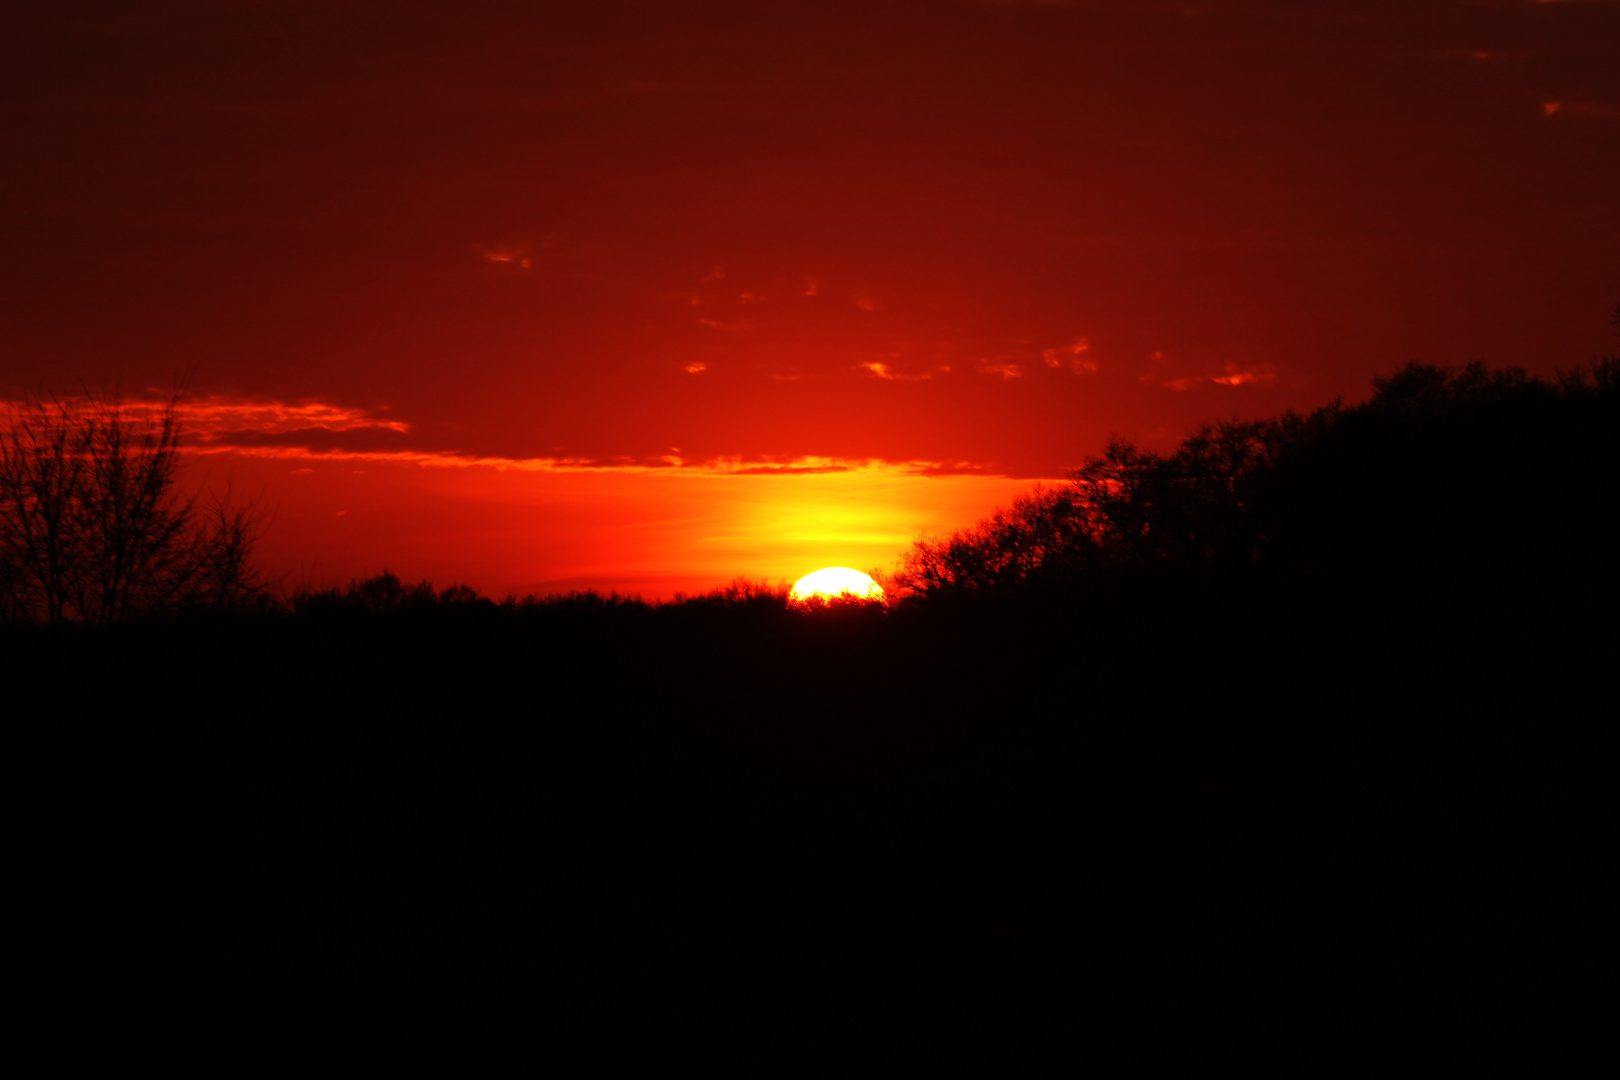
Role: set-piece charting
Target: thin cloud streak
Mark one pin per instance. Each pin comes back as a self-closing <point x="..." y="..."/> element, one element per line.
<point x="667" y="465"/>
<point x="1232" y="375"/>
<point x="216" y="416"/>
<point x="316" y="432"/>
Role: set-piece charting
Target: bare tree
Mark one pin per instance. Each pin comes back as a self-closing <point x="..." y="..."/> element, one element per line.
<point x="92" y="527"/>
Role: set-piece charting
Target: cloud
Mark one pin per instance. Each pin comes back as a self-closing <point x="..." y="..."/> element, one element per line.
<point x="1074" y="355"/>
<point x="865" y="304"/>
<point x="1231" y="375"/>
<point x="788" y="470"/>
<point x="315" y="440"/>
<point x="1173" y="384"/>
<point x="696" y="368"/>
<point x="661" y="464"/>
<point x="307" y="434"/>
<point x="217" y="423"/>
<point x="1578" y="108"/>
<point x="957" y="468"/>
<point x="883" y="371"/>
<point x="1237" y="377"/>
<point x="515" y="256"/>
<point x="1006" y="371"/>
<point x="211" y="418"/>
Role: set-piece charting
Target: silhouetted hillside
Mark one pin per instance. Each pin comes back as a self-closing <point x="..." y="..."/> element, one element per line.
<point x="1281" y="750"/>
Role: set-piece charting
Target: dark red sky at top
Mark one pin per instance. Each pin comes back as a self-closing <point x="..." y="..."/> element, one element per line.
<point x="984" y="235"/>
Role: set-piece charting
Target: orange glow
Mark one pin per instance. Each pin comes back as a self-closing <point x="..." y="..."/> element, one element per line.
<point x="836" y="583"/>
<point x="521" y="527"/>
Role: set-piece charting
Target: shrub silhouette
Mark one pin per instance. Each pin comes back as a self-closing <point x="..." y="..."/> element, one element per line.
<point x="91" y="527"/>
<point x="385" y="594"/>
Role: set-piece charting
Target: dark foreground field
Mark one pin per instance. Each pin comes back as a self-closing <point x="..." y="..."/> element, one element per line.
<point x="1340" y="815"/>
<point x="744" y="835"/>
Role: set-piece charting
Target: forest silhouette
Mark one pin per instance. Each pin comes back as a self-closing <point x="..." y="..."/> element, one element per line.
<point x="1283" y="748"/>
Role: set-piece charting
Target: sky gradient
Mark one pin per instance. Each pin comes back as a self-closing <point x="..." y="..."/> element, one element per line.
<point x="646" y="296"/>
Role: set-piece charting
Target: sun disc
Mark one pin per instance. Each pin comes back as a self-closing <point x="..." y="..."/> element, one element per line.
<point x="834" y="583"/>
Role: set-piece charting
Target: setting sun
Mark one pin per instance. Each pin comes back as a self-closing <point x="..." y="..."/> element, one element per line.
<point x="835" y="582"/>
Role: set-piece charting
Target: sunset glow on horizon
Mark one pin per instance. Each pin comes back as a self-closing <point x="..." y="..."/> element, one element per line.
<point x="650" y="532"/>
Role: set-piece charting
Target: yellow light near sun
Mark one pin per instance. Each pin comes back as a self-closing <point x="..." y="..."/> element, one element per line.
<point x="649" y="532"/>
<point x="835" y="582"/>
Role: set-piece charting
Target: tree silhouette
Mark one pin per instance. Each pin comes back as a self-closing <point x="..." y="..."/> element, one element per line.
<point x="1443" y="473"/>
<point x="1125" y="511"/>
<point x="1044" y="534"/>
<point x="91" y="526"/>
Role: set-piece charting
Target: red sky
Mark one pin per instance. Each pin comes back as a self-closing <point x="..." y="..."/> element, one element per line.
<point x="528" y="294"/>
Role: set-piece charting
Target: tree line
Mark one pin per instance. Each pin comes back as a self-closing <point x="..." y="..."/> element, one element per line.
<point x="1469" y="477"/>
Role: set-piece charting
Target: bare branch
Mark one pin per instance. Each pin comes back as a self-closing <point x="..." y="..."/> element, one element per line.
<point x="92" y="527"/>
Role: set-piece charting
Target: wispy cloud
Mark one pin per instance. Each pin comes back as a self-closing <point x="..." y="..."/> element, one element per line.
<point x="1072" y="354"/>
<point x="884" y="371"/>
<point x="1237" y="376"/>
<point x="788" y="470"/>
<point x="1231" y="375"/>
<point x="1005" y="370"/>
<point x="217" y="423"/>
<point x="208" y="419"/>
<point x="663" y="464"/>
<point x="515" y="256"/>
<point x="308" y="434"/>
<point x="1578" y="108"/>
